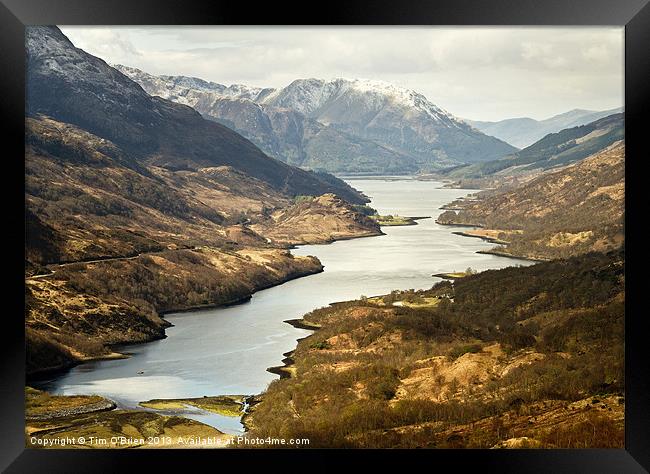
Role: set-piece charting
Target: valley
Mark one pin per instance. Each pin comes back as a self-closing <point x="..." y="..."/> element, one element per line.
<point x="457" y="366"/>
<point x="124" y="225"/>
<point x="195" y="273"/>
<point x="231" y="348"/>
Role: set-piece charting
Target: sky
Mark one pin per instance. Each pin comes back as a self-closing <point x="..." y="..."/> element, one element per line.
<point x="484" y="73"/>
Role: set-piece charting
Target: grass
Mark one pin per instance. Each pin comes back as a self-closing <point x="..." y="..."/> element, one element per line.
<point x="426" y="302"/>
<point x="40" y="403"/>
<point x="118" y="429"/>
<point x="393" y="375"/>
<point x="393" y="220"/>
<point x="227" y="405"/>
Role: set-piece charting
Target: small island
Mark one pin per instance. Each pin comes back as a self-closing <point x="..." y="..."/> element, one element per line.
<point x="395" y="220"/>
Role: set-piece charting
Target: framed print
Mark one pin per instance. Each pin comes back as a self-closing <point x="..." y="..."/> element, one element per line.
<point x="266" y="234"/>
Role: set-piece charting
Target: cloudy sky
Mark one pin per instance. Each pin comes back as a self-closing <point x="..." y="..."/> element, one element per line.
<point x="476" y="73"/>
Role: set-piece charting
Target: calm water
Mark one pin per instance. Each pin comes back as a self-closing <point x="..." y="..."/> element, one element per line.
<point x="227" y="350"/>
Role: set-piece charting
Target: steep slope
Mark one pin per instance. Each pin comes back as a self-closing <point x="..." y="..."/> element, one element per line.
<point x="123" y="223"/>
<point x="292" y="137"/>
<point x="512" y="358"/>
<point x="576" y="209"/>
<point x="139" y="243"/>
<point x="554" y="150"/>
<point x="75" y="87"/>
<point x="398" y="118"/>
<point x="340" y="126"/>
<point x="283" y="133"/>
<point x="95" y="204"/>
<point x="522" y="132"/>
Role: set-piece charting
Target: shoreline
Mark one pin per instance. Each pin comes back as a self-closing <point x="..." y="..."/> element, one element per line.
<point x="116" y="355"/>
<point x="504" y="254"/>
<point x="237" y="301"/>
<point x="450" y="275"/>
<point x="287" y="370"/>
<point x="48" y="372"/>
<point x="452" y="224"/>
<point x="492" y="240"/>
<point x="302" y="324"/>
<point x="494" y="251"/>
<point x="284" y="370"/>
<point x="405" y="221"/>
<point x="332" y="241"/>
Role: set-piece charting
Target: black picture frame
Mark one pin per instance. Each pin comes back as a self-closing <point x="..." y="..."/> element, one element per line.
<point x="633" y="14"/>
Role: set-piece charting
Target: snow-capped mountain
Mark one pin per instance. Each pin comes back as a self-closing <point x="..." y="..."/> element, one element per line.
<point x="324" y="99"/>
<point x="395" y="117"/>
<point x="372" y="126"/>
<point x="283" y="133"/>
<point x="188" y="90"/>
<point x="77" y="88"/>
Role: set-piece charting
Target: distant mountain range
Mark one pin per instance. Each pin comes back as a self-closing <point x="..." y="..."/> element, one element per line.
<point x="342" y="126"/>
<point x="522" y="132"/>
<point x="72" y="86"/>
<point x="554" y="150"/>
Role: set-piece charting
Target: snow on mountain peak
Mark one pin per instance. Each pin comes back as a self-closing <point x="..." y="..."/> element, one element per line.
<point x="188" y="90"/>
<point x="311" y="95"/>
<point x="307" y="96"/>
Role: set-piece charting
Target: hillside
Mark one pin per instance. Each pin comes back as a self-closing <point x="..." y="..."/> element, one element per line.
<point x="554" y="150"/>
<point x="524" y="131"/>
<point x="343" y="126"/>
<point x="131" y="214"/>
<point x="313" y="220"/>
<point x="152" y="240"/>
<point x="576" y="209"/>
<point x="393" y="116"/>
<point x="72" y="86"/>
<point x="524" y="357"/>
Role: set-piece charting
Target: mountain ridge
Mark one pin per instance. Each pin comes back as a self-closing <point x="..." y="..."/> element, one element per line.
<point x="524" y="131"/>
<point x="373" y="126"/>
<point x="72" y="86"/>
<point x="554" y="150"/>
<point x="575" y="209"/>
